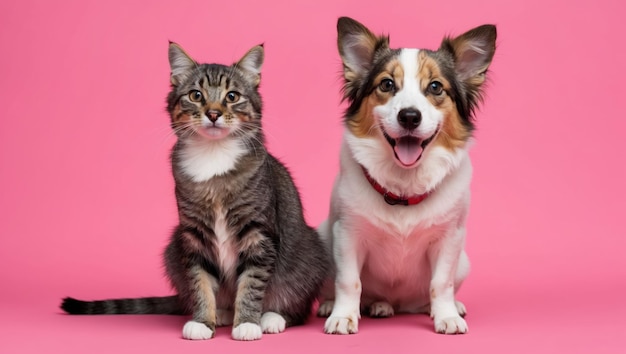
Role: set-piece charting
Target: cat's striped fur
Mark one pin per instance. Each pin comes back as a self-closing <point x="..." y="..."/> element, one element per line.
<point x="242" y="253"/>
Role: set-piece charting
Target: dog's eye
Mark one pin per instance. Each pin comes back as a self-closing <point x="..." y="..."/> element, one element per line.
<point x="232" y="96"/>
<point x="195" y="96"/>
<point x="387" y="85"/>
<point x="435" y="87"/>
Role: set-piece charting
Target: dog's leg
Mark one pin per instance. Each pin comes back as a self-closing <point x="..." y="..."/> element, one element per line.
<point x="344" y="318"/>
<point x="460" y="307"/>
<point x="444" y="258"/>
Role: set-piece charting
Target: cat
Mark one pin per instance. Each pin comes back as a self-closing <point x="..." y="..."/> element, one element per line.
<point x="242" y="253"/>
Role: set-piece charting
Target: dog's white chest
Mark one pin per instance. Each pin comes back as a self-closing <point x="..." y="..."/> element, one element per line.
<point x="396" y="266"/>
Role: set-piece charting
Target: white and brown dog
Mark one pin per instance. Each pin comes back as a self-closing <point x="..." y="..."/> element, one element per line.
<point x="400" y="202"/>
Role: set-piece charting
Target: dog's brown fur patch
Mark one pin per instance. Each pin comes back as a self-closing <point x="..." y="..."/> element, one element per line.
<point x="453" y="133"/>
<point x="362" y="124"/>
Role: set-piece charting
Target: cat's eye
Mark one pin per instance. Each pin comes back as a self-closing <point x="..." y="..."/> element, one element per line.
<point x="195" y="96"/>
<point x="386" y="85"/>
<point x="435" y="88"/>
<point x="232" y="96"/>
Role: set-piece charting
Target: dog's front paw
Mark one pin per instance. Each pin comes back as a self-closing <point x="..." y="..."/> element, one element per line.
<point x="247" y="331"/>
<point x="341" y="325"/>
<point x="451" y="325"/>
<point x="381" y="309"/>
<point x="325" y="308"/>
<point x="460" y="308"/>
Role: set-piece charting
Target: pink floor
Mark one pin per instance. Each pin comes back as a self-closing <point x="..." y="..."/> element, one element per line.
<point x="523" y="318"/>
<point x="86" y="197"/>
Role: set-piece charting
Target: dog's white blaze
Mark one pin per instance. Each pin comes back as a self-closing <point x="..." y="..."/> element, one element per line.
<point x="203" y="159"/>
<point x="410" y="95"/>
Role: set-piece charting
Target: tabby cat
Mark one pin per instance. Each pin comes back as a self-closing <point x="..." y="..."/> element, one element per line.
<point x="242" y="253"/>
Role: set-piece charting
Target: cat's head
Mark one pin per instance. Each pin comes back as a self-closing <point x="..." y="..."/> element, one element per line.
<point x="214" y="101"/>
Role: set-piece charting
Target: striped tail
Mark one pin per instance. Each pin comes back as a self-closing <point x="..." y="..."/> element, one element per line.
<point x="164" y="305"/>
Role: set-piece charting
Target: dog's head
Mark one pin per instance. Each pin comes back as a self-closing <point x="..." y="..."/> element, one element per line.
<point x="413" y="98"/>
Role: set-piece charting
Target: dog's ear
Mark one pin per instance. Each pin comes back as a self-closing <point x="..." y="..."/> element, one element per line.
<point x="357" y="46"/>
<point x="252" y="62"/>
<point x="473" y="52"/>
<point x="181" y="64"/>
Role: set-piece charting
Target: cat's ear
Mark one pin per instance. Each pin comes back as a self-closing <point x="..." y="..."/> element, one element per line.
<point x="357" y="47"/>
<point x="181" y="64"/>
<point x="252" y="62"/>
<point x="473" y="52"/>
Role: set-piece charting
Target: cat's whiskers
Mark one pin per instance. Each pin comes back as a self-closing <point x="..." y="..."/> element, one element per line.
<point x="184" y="130"/>
<point x="260" y="127"/>
<point x="169" y="131"/>
<point x="248" y="139"/>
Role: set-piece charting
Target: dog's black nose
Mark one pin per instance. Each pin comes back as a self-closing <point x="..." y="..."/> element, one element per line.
<point x="213" y="114"/>
<point x="409" y="118"/>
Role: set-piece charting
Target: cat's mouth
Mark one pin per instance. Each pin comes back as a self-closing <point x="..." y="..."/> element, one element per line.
<point x="213" y="132"/>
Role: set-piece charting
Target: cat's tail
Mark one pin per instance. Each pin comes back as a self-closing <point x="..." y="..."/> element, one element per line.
<point x="164" y="305"/>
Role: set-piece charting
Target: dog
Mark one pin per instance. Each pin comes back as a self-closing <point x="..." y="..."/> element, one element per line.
<point x="399" y="205"/>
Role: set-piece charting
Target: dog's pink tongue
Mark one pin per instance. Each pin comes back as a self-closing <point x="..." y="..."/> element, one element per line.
<point x="408" y="150"/>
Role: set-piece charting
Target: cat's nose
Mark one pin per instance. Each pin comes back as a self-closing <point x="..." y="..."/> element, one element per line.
<point x="213" y="114"/>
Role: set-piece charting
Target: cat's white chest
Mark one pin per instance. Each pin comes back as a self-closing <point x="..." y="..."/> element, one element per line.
<point x="202" y="159"/>
<point x="225" y="242"/>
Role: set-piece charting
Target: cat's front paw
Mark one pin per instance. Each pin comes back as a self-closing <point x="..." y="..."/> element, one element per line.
<point x="451" y="325"/>
<point x="197" y="331"/>
<point x="341" y="325"/>
<point x="271" y="322"/>
<point x="247" y="331"/>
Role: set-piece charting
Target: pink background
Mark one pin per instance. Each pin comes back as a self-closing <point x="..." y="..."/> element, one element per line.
<point x="86" y="196"/>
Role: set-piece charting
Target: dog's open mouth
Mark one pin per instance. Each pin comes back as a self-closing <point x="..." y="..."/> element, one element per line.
<point x="408" y="149"/>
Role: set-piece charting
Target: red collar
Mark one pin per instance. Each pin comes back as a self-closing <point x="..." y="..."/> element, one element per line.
<point x="391" y="198"/>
